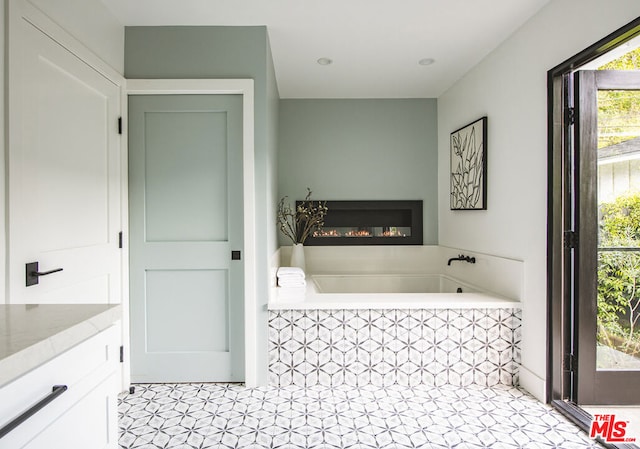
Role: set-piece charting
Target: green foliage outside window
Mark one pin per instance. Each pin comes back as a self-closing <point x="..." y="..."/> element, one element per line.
<point x="618" y="110"/>
<point x="619" y="275"/>
<point x="619" y="271"/>
<point x="628" y="61"/>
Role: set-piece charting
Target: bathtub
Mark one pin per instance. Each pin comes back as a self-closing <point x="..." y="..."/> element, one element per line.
<point x="390" y="283"/>
<point x="386" y="291"/>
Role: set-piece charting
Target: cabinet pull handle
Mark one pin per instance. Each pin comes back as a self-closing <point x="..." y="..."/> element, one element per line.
<point x="55" y="392"/>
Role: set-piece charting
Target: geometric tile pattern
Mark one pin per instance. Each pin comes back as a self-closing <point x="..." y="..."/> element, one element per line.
<point x="231" y="416"/>
<point x="433" y="347"/>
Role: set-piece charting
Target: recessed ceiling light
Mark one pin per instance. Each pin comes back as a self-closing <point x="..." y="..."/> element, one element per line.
<point x="325" y="61"/>
<point x="426" y="61"/>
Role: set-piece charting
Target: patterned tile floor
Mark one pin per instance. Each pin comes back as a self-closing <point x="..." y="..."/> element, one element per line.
<point x="232" y="416"/>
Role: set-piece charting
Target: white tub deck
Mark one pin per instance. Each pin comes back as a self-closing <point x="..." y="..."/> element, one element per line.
<point x="386" y="292"/>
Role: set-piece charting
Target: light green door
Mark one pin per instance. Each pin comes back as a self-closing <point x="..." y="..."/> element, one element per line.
<point x="185" y="201"/>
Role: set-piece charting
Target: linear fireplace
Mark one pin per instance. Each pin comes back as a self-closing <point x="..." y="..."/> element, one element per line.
<point x="370" y="223"/>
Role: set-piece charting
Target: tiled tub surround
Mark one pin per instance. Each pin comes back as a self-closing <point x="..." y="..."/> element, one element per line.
<point x="434" y="347"/>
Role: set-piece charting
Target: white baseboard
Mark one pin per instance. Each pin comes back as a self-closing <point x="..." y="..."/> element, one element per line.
<point x="533" y="384"/>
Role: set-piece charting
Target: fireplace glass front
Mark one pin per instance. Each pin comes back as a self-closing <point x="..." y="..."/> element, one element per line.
<point x="370" y="223"/>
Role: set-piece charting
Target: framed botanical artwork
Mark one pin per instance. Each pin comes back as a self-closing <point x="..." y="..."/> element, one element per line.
<point x="468" y="149"/>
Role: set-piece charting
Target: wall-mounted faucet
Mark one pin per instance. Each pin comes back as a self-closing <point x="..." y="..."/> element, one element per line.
<point x="462" y="257"/>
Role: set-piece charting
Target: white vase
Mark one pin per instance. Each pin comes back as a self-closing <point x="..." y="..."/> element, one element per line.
<point x="297" y="256"/>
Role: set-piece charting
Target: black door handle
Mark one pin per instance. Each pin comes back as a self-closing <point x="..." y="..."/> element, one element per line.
<point x="33" y="275"/>
<point x="44" y="273"/>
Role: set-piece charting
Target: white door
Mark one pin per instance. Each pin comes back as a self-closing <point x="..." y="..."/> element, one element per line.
<point x="64" y="174"/>
<point x="186" y="221"/>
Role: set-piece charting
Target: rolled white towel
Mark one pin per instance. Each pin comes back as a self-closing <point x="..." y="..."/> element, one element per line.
<point x="291" y="272"/>
<point x="291" y="278"/>
<point x="292" y="283"/>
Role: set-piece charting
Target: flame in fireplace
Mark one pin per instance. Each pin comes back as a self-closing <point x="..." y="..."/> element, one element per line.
<point x="359" y="233"/>
<point x="327" y="233"/>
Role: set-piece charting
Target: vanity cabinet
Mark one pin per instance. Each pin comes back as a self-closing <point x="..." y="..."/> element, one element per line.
<point x="84" y="415"/>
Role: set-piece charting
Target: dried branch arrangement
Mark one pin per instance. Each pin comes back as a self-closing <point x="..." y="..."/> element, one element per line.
<point x="300" y="222"/>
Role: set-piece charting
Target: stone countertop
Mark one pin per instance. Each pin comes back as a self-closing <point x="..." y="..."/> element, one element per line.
<point x="31" y="334"/>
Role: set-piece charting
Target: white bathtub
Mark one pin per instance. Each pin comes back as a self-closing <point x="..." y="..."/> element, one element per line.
<point x="390" y="283"/>
<point x="386" y="291"/>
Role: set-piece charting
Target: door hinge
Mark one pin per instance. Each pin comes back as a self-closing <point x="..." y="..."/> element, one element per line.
<point x="570" y="239"/>
<point x="571" y="116"/>
<point x="119" y="125"/>
<point x="121" y="354"/>
<point x="120" y="239"/>
<point x="570" y="362"/>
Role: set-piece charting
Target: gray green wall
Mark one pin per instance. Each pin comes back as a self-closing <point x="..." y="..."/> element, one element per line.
<point x="225" y="52"/>
<point x="354" y="149"/>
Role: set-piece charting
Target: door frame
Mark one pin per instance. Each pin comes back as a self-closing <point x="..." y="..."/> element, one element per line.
<point x="560" y="385"/>
<point x="593" y="386"/>
<point x="244" y="87"/>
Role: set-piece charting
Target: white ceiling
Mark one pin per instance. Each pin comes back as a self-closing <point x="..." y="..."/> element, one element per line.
<point x="375" y="44"/>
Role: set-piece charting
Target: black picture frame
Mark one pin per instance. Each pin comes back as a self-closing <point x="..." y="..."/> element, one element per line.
<point x="468" y="166"/>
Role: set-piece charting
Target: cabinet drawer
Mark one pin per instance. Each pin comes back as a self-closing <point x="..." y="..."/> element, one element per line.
<point x="89" y="423"/>
<point x="81" y="369"/>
